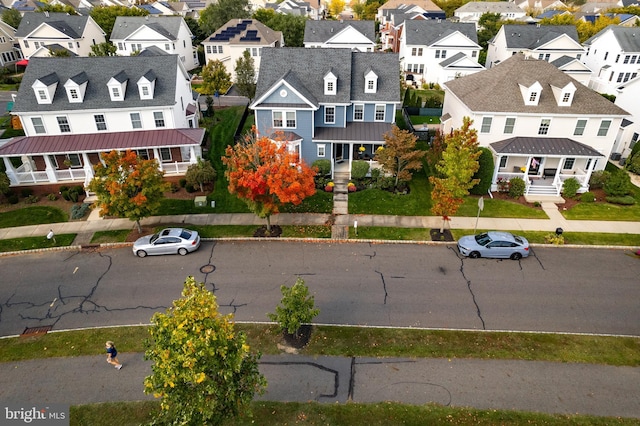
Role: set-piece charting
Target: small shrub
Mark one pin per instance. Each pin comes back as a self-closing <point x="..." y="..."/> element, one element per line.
<point x="516" y="187"/>
<point x="376" y="173"/>
<point x="31" y="199"/>
<point x="52" y="197"/>
<point x="359" y="169"/>
<point x="626" y="200"/>
<point x="537" y="204"/>
<point x="13" y="199"/>
<point x="555" y="239"/>
<point x="65" y="195"/>
<point x="73" y="196"/>
<point x="323" y="166"/>
<point x="79" y="210"/>
<point x="588" y="197"/>
<point x="189" y="188"/>
<point x="618" y="184"/>
<point x="79" y="189"/>
<point x="182" y="182"/>
<point x="174" y="188"/>
<point x="64" y="188"/>
<point x="570" y="187"/>
<point x="26" y="192"/>
<point x="598" y="179"/>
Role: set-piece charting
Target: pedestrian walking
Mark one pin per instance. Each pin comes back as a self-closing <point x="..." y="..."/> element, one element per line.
<point x="112" y="355"/>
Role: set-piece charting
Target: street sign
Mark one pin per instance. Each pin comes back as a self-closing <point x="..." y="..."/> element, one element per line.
<point x="481" y="203"/>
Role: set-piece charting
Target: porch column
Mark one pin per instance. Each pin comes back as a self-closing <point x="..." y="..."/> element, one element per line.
<point x="496" y="169"/>
<point x="11" y="171"/>
<point x="156" y="155"/>
<point x="192" y="154"/>
<point x="88" y="168"/>
<point x="50" y="169"/>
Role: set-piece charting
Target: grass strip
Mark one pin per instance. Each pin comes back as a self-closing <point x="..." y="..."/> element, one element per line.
<point x="114" y="236"/>
<point x="357" y="341"/>
<point x="35" y="215"/>
<point x="33" y="243"/>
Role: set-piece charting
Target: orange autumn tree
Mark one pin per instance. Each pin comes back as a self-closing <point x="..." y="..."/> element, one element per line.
<point x="265" y="175"/>
<point x="128" y="186"/>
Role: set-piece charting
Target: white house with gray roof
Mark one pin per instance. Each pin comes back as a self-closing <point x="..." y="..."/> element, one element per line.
<point x="614" y="56"/>
<point x="435" y="51"/>
<point x="170" y="33"/>
<point x="356" y="35"/>
<point x="547" y="42"/>
<point x="472" y="11"/>
<point x="327" y="103"/>
<point x="627" y="95"/>
<point x="230" y="41"/>
<point x="540" y="123"/>
<point x="75" y="33"/>
<point x="73" y="109"/>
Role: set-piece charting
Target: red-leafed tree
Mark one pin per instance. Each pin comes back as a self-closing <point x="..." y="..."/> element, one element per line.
<point x="128" y="186"/>
<point x="264" y="174"/>
<point x="454" y="172"/>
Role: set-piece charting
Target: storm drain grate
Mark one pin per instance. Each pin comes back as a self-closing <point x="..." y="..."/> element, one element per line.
<point x="30" y="331"/>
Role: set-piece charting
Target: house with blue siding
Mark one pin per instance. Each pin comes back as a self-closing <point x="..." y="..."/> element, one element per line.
<point x="333" y="104"/>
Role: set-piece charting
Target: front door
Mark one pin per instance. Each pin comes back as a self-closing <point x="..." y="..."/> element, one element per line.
<point x="536" y="165"/>
<point x="339" y="152"/>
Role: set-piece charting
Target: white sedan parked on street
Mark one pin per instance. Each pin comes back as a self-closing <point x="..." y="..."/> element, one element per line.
<point x="168" y="241"/>
<point x="494" y="244"/>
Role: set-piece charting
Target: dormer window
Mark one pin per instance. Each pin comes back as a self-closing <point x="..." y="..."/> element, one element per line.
<point x="531" y="94"/>
<point x="146" y="85"/>
<point x="118" y="86"/>
<point x="76" y="87"/>
<point x="330" y="83"/>
<point x="44" y="88"/>
<point x="564" y="95"/>
<point x="371" y="82"/>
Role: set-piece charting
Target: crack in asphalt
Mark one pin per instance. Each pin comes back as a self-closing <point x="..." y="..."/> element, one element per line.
<point x="468" y="281"/>
<point x="384" y="286"/>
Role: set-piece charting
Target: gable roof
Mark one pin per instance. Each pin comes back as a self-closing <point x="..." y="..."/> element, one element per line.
<point x="73" y="25"/>
<point x="244" y="31"/>
<point x="427" y="32"/>
<point x="628" y="37"/>
<point x="426" y="5"/>
<point x="498" y="90"/>
<point x="321" y="31"/>
<point x="167" y="26"/>
<point x="308" y="67"/>
<point x="534" y="36"/>
<point x="490" y="6"/>
<point x="99" y="71"/>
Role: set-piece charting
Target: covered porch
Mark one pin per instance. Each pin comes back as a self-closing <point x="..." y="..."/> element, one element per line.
<point x="544" y="164"/>
<point x="70" y="159"/>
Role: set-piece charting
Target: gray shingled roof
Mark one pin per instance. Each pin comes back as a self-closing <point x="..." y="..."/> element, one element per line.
<point x="532" y="36"/>
<point x="489" y="7"/>
<point x="99" y="71"/>
<point x="628" y="37"/>
<point x="426" y="32"/>
<point x="544" y="146"/>
<point x="321" y="31"/>
<point x="497" y="90"/>
<point x="167" y="26"/>
<point x="73" y="25"/>
<point x="308" y="67"/>
<point x="240" y="29"/>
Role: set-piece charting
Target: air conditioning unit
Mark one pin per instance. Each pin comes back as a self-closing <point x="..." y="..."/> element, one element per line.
<point x="615" y="156"/>
<point x="622" y="161"/>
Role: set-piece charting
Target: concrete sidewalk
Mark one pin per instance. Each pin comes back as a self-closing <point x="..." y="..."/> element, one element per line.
<point x="546" y="387"/>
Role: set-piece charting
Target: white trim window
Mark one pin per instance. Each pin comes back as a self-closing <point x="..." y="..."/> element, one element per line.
<point x="136" y="121"/>
<point x="321" y="150"/>
<point x="545" y="123"/>
<point x="284" y="119"/>
<point x="486" y="124"/>
<point x="509" y="125"/>
<point x="165" y="155"/>
<point x="604" y="127"/>
<point x="568" y="163"/>
<point x="380" y="112"/>
<point x="143" y="153"/>
<point x="101" y="123"/>
<point x="38" y="125"/>
<point x="63" y="124"/>
<point x="329" y="115"/>
<point x="74" y="161"/>
<point x="358" y="112"/>
<point x="580" y="126"/>
<point x="158" y="117"/>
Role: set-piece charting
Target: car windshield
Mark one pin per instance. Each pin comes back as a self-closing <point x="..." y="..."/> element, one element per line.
<point x="185" y="234"/>
<point x="154" y="237"/>
<point x="483" y="239"/>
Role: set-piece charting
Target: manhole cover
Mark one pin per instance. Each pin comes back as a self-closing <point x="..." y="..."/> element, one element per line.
<point x="207" y="269"/>
<point x="29" y="331"/>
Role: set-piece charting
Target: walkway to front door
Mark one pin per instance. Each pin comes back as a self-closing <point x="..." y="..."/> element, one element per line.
<point x="340" y="199"/>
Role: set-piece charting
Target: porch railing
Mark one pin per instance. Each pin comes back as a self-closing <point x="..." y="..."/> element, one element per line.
<point x="31" y="177"/>
<point x="175" y="168"/>
<point x="556" y="182"/>
<point x="71" y="175"/>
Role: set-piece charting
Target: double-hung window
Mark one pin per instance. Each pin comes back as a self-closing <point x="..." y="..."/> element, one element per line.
<point x="568" y="163"/>
<point x="580" y="125"/>
<point x="321" y="150"/>
<point x="379" y="115"/>
<point x="358" y="112"/>
<point x="604" y="127"/>
<point x="101" y="123"/>
<point x="329" y="114"/>
<point x="38" y="125"/>
<point x="74" y="160"/>
<point x="158" y="118"/>
<point x="486" y="125"/>
<point x="509" y="124"/>
<point x="136" y="122"/>
<point x="284" y="119"/>
<point x="63" y="123"/>
<point x="165" y="154"/>
<point x="544" y="126"/>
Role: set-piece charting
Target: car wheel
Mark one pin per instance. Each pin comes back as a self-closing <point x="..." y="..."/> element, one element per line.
<point x="141" y="253"/>
<point x="182" y="251"/>
<point x="516" y="256"/>
<point x="474" y="255"/>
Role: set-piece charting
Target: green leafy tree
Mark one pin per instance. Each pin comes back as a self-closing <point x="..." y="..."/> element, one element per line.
<point x="246" y="76"/>
<point x="105" y="16"/>
<point x="219" y="13"/>
<point x="103" y="49"/>
<point x="484" y="175"/>
<point x="296" y="308"/>
<point x="335" y="7"/>
<point x="370" y="9"/>
<point x="12" y="17"/>
<point x="291" y="26"/>
<point x="128" y="186"/>
<point x="4" y="182"/>
<point x="399" y="156"/>
<point x="194" y="27"/>
<point x="215" y="78"/>
<point x="56" y="8"/>
<point x="454" y="172"/>
<point x="200" y="173"/>
<point x="203" y="370"/>
<point x="59" y="53"/>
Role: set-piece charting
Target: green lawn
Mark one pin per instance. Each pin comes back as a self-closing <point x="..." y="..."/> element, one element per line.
<point x="424" y="119"/>
<point x="32" y="243"/>
<point x="34" y="215"/>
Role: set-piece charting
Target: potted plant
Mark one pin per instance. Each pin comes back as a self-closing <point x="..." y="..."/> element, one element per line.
<point x="329" y="187"/>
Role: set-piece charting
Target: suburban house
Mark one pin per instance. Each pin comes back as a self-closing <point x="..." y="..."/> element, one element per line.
<point x="394" y="13"/>
<point x="314" y="9"/>
<point x="472" y="11"/>
<point x="614" y="56"/>
<point x="356" y="35"/>
<point x="541" y="125"/>
<point x="73" y="109"/>
<point x="573" y="68"/>
<point x="166" y="8"/>
<point x="627" y="96"/>
<point x="547" y="42"/>
<point x="39" y="32"/>
<point x="230" y="41"/>
<point x="9" y="54"/>
<point x="333" y="104"/>
<point x="435" y="51"/>
<point x="170" y="33"/>
<point x="535" y="7"/>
